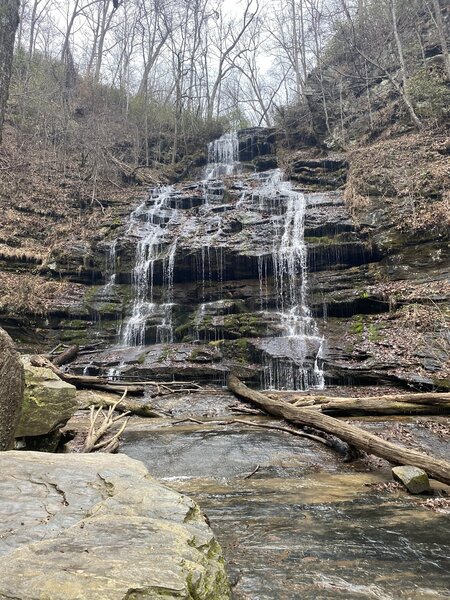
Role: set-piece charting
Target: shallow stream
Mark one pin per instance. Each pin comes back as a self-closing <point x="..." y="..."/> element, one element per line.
<point x="304" y="525"/>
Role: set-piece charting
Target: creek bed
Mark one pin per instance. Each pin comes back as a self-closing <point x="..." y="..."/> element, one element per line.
<point x="304" y="525"/>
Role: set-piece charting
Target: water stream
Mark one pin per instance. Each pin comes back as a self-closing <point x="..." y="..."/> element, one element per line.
<point x="304" y="525"/>
<point x="150" y="221"/>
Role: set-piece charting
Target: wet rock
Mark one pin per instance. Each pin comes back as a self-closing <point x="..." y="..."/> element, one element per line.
<point x="96" y="527"/>
<point x="11" y="390"/>
<point x="327" y="172"/>
<point x="414" y="479"/>
<point x="255" y="142"/>
<point x="48" y="401"/>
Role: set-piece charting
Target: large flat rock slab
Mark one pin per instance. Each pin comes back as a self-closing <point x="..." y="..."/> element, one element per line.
<point x="99" y="527"/>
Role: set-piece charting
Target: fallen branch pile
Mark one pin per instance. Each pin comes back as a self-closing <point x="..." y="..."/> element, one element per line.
<point x="95" y="439"/>
<point x="354" y="436"/>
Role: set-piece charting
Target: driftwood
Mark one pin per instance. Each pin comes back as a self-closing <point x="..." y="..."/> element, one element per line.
<point x="87" y="381"/>
<point x="94" y="440"/>
<point x="354" y="436"/>
<point x="67" y="356"/>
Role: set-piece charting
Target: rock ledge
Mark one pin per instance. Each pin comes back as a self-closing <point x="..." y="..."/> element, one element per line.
<point x="100" y="528"/>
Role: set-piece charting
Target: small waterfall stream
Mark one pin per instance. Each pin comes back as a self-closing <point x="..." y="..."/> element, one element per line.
<point x="150" y="222"/>
<point x="287" y="365"/>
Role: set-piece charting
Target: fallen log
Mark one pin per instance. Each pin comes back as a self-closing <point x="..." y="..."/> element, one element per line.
<point x="364" y="406"/>
<point x="354" y="407"/>
<point x="125" y="404"/>
<point x="67" y="356"/>
<point x="86" y="381"/>
<point x="354" y="436"/>
<point x="402" y="403"/>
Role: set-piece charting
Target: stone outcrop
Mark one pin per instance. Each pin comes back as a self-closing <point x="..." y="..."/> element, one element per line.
<point x="99" y="527"/>
<point x="255" y="142"/>
<point x="11" y="390"/>
<point x="48" y="402"/>
<point x="327" y="172"/>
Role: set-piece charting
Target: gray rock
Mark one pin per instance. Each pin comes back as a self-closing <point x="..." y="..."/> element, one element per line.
<point x="414" y="479"/>
<point x="98" y="527"/>
<point x="11" y="390"/>
<point x="48" y="401"/>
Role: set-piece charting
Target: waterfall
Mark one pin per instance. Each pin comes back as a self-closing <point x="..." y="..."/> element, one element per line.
<point x="291" y="361"/>
<point x="110" y="274"/>
<point x="197" y="227"/>
<point x="150" y="223"/>
<point x="223" y="157"/>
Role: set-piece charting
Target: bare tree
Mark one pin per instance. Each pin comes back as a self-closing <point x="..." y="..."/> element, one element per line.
<point x="229" y="35"/>
<point x="442" y="36"/>
<point x="374" y="56"/>
<point x="9" y="20"/>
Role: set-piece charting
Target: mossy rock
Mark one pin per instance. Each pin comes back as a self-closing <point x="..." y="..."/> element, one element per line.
<point x="48" y="401"/>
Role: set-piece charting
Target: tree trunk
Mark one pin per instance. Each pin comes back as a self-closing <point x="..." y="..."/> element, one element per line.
<point x="87" y="381"/>
<point x="355" y="436"/>
<point x="9" y="20"/>
<point x="404" y="88"/>
<point x="67" y="356"/>
<point x="442" y="36"/>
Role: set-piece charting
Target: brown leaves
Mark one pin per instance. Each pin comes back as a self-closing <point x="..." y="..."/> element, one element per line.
<point x="31" y="294"/>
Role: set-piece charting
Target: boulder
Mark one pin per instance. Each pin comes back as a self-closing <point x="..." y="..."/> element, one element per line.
<point x="11" y="390"/>
<point x="414" y="479"/>
<point x="97" y="527"/>
<point x="48" y="401"/>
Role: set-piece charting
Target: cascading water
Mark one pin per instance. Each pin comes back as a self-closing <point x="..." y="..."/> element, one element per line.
<point x="196" y="223"/>
<point x="293" y="360"/>
<point x="150" y="223"/>
<point x="223" y="156"/>
<point x="110" y="274"/>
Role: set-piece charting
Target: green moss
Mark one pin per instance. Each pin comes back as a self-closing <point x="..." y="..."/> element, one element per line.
<point x="237" y="350"/>
<point x="166" y="354"/>
<point x="242" y="344"/>
<point x="75" y="324"/>
<point x="374" y="334"/>
<point x="108" y="308"/>
<point x="244" y="325"/>
<point x="357" y="327"/>
<point x="141" y="359"/>
<point x="321" y="241"/>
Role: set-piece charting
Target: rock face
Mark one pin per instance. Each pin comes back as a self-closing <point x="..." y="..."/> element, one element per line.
<point x="415" y="480"/>
<point x="99" y="527"/>
<point x="48" y="401"/>
<point x="255" y="142"/>
<point x="378" y="271"/>
<point x="11" y="390"/>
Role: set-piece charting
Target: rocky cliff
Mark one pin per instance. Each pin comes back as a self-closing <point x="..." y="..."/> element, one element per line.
<point x="377" y="271"/>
